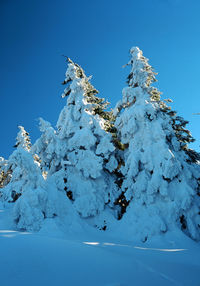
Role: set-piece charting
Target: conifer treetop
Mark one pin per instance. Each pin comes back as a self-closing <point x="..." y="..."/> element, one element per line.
<point x="141" y="72"/>
<point x="77" y="81"/>
<point x="75" y="73"/>
<point x="2" y="161"/>
<point x="142" y="75"/>
<point x="139" y="82"/>
<point x="5" y="172"/>
<point x="23" y="139"/>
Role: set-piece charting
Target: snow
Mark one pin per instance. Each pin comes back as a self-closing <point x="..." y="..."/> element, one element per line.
<point x="103" y="208"/>
<point x="23" y="139"/>
<point x="82" y="256"/>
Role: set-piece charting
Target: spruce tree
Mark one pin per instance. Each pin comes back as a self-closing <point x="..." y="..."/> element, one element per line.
<point x="160" y="180"/>
<point x="26" y="186"/>
<point x="22" y="167"/>
<point x="88" y="157"/>
<point x="22" y="141"/>
<point x="79" y="155"/>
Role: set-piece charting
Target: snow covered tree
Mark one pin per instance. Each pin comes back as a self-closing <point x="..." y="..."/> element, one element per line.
<point x="160" y="180"/>
<point x="48" y="148"/>
<point x="25" y="187"/>
<point x="23" y="139"/>
<point x="84" y="150"/>
<point x="19" y="164"/>
<point x="5" y="173"/>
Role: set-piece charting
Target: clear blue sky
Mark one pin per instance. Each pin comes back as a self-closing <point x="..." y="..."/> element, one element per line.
<point x="97" y="35"/>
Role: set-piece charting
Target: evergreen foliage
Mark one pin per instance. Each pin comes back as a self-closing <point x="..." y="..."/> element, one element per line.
<point x="5" y="173"/>
<point x="79" y="155"/>
<point x="23" y="139"/>
<point x="20" y="168"/>
<point x="47" y="148"/>
<point x="160" y="182"/>
<point x="131" y="165"/>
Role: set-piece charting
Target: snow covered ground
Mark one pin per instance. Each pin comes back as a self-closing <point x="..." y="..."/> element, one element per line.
<point x="87" y="258"/>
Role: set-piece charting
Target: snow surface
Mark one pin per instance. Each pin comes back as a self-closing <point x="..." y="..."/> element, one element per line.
<point x="82" y="256"/>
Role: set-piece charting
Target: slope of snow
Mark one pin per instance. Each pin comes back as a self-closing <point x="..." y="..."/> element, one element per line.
<point x="87" y="257"/>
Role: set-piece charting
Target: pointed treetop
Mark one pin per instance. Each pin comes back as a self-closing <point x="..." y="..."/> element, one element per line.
<point x="73" y="71"/>
<point x="2" y="161"/>
<point x="5" y="172"/>
<point x="141" y="72"/>
<point x="75" y="78"/>
<point x="141" y="76"/>
<point x="23" y="139"/>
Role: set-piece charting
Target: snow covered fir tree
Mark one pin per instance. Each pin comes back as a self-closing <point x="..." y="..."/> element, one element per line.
<point x="24" y="187"/>
<point x="79" y="155"/>
<point x="129" y="170"/>
<point x="160" y="176"/>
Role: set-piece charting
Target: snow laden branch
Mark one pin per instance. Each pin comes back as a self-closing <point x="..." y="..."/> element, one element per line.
<point x="129" y="170"/>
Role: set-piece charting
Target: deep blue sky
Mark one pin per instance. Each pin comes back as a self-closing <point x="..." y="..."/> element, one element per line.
<point x="97" y="35"/>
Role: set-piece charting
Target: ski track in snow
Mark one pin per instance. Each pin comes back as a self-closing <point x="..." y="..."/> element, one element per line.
<point x="143" y="265"/>
<point x="93" y="259"/>
<point x="134" y="255"/>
